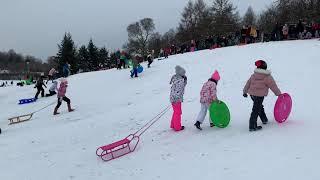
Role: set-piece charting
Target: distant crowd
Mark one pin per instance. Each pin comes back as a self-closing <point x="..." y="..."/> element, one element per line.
<point x="248" y="34"/>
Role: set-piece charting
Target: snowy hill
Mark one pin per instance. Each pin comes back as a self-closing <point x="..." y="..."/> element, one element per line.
<point x="109" y="106"/>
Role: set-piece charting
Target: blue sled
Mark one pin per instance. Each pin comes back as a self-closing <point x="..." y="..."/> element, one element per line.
<point x="27" y="101"/>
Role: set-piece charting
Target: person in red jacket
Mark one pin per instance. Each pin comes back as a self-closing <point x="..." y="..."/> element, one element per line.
<point x="62" y="96"/>
<point x="258" y="86"/>
<point x="167" y="52"/>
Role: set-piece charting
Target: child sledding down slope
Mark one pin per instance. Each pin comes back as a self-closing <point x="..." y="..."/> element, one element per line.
<point x="53" y="88"/>
<point x="208" y="94"/>
<point x="257" y="87"/>
<point x="179" y="82"/>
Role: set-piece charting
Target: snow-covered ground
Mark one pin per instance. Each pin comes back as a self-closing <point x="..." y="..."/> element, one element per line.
<point x="109" y="106"/>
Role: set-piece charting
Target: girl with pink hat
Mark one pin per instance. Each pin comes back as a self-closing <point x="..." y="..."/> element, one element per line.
<point x="62" y="96"/>
<point x="208" y="94"/>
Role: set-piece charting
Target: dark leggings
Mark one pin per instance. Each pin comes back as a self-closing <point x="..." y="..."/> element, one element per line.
<point x="40" y="90"/>
<point x="60" y="101"/>
<point x="257" y="111"/>
<point x="51" y="93"/>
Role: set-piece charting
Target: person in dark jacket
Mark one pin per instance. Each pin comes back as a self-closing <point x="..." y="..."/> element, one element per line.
<point x="150" y="60"/>
<point x="39" y="87"/>
<point x="66" y="69"/>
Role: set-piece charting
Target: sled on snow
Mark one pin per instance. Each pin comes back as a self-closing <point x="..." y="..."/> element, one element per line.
<point x="19" y="119"/>
<point x="127" y="145"/>
<point x="119" y="148"/>
<point x="26" y="117"/>
<point x="27" y="101"/>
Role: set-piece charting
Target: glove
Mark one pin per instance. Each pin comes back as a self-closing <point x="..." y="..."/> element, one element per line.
<point x="245" y="95"/>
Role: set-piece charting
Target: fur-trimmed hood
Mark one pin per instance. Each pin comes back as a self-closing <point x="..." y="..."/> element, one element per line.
<point x="261" y="74"/>
<point x="262" y="71"/>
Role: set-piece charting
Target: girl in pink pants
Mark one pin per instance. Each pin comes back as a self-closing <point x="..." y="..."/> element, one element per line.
<point x="178" y="81"/>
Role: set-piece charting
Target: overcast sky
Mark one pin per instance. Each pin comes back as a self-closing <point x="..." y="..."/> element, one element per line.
<point x="35" y="27"/>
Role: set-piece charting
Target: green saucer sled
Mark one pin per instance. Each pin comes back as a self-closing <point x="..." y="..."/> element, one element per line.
<point x="219" y="114"/>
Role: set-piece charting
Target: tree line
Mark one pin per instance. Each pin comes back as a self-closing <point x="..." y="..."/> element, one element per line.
<point x="198" y="20"/>
<point x="219" y="18"/>
<point x="14" y="62"/>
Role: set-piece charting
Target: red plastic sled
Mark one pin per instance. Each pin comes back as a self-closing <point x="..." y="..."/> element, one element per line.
<point x="128" y="144"/>
<point x="282" y="108"/>
<point x="119" y="148"/>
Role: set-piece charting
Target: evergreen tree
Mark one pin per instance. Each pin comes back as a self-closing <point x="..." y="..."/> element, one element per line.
<point x="196" y="22"/>
<point x="93" y="56"/>
<point x="187" y="25"/>
<point x="225" y="17"/>
<point x="113" y="60"/>
<point x="249" y="18"/>
<point x="267" y="20"/>
<point x="67" y="53"/>
<point x="83" y="57"/>
<point x="203" y="19"/>
<point x="104" y="58"/>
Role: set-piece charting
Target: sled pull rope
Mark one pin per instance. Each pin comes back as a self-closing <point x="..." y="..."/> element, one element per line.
<point x="144" y="128"/>
<point x="43" y="108"/>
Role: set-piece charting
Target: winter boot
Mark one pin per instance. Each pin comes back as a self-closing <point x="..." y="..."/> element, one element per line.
<point x="69" y="108"/>
<point x="212" y="125"/>
<point x="197" y="125"/>
<point x="257" y="128"/>
<point x="55" y="112"/>
<point x="182" y="128"/>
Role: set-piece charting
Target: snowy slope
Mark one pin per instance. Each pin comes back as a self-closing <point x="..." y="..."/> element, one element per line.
<point x="109" y="106"/>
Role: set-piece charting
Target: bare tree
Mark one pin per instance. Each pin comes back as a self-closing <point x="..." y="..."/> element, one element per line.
<point x="195" y="22"/>
<point x="139" y="34"/>
<point x="155" y="42"/>
<point x="168" y="38"/>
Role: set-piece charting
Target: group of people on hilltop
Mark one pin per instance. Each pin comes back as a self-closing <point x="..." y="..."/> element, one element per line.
<point x="248" y="34"/>
<point x="301" y="30"/>
<point x="210" y="42"/>
<point x="124" y="60"/>
<point x="257" y="87"/>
